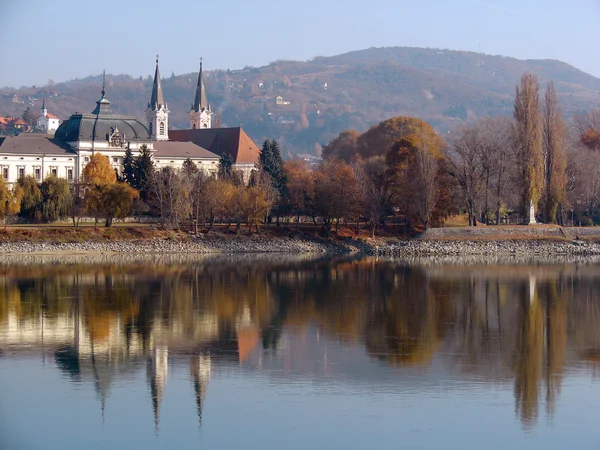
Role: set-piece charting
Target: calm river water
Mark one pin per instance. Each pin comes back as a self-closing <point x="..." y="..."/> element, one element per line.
<point x="282" y="353"/>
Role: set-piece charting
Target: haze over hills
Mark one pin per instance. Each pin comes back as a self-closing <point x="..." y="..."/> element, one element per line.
<point x="326" y="95"/>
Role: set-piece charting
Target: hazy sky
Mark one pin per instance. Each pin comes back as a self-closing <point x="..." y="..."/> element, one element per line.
<point x="65" y="39"/>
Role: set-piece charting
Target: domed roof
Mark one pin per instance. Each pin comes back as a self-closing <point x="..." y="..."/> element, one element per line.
<point x="100" y="124"/>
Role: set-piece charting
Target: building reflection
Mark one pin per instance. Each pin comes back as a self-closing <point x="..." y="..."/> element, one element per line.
<point x="522" y="326"/>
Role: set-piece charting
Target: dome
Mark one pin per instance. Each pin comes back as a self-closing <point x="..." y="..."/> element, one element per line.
<point x="100" y="124"/>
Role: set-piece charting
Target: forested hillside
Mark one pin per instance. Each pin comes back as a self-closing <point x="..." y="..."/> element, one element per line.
<point x="326" y="95"/>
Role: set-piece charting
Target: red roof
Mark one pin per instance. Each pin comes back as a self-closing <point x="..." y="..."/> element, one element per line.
<point x="5" y="120"/>
<point x="19" y="121"/>
<point x="233" y="141"/>
<point x="51" y="116"/>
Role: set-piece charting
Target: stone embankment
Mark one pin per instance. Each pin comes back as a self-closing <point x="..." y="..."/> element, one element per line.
<point x="515" y="241"/>
<point x="256" y="244"/>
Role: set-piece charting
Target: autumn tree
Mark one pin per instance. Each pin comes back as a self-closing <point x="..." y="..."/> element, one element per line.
<point x="10" y="201"/>
<point x="555" y="156"/>
<point x="529" y="142"/>
<point x="379" y="139"/>
<point x="413" y="167"/>
<point x="300" y="186"/>
<point x="117" y="201"/>
<point x="344" y="146"/>
<point x="336" y="193"/>
<point x="32" y="196"/>
<point x="589" y="129"/>
<point x="254" y="204"/>
<point x="97" y="176"/>
<point x="98" y="171"/>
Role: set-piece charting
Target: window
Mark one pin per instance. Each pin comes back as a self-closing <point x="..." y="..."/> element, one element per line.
<point x="69" y="174"/>
<point x="162" y="128"/>
<point x="38" y="173"/>
<point x="86" y="159"/>
<point x="21" y="172"/>
<point x="150" y="128"/>
<point x="54" y="171"/>
<point x="194" y="126"/>
<point x="5" y="173"/>
<point x="115" y="160"/>
<point x="205" y="125"/>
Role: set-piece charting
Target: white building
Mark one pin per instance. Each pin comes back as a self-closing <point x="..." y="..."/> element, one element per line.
<point x="46" y="123"/>
<point x="66" y="153"/>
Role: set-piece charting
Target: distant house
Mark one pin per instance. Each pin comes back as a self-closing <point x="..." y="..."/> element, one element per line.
<point x="279" y="101"/>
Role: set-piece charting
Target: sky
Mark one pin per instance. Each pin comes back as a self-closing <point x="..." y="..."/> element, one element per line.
<point x="61" y="40"/>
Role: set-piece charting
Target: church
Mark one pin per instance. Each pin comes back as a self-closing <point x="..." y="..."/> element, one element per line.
<point x="66" y="153"/>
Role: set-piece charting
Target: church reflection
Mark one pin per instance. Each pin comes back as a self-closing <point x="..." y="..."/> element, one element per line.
<point x="523" y="326"/>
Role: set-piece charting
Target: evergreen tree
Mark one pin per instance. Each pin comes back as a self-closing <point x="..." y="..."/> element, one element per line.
<point x="225" y="166"/>
<point x="272" y="163"/>
<point x="143" y="170"/>
<point x="129" y="167"/>
<point x="190" y="168"/>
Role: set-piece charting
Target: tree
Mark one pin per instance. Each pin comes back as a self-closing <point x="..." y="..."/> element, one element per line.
<point x="225" y="166"/>
<point x="170" y="196"/>
<point x="272" y="163"/>
<point x="189" y="168"/>
<point x="300" y="186"/>
<point x="144" y="170"/>
<point x="129" y="167"/>
<point x="529" y="142"/>
<point x="555" y="152"/>
<point x="56" y="199"/>
<point x="10" y="201"/>
<point x="336" y="193"/>
<point x="255" y="204"/>
<point x="99" y="171"/>
<point x="413" y="169"/>
<point x="344" y="146"/>
<point x="589" y="129"/>
<point x="480" y="157"/>
<point x="371" y="176"/>
<point x="117" y="201"/>
<point x="29" y="116"/>
<point x="379" y="139"/>
<point x="32" y="196"/>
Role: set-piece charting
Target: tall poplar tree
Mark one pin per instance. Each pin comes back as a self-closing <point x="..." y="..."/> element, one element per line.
<point x="555" y="153"/>
<point x="529" y="142"/>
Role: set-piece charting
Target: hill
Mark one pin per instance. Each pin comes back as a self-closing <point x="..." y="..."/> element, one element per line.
<point x="326" y="95"/>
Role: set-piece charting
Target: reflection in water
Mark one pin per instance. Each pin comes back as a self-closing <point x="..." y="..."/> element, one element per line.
<point x="501" y="324"/>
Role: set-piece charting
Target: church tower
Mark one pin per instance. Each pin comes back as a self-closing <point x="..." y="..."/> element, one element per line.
<point x="200" y="114"/>
<point x="44" y="110"/>
<point x="157" y="112"/>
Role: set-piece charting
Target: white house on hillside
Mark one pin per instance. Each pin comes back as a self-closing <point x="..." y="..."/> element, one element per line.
<point x="46" y="123"/>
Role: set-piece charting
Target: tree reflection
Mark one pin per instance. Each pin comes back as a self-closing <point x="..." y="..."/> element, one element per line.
<point x="506" y="325"/>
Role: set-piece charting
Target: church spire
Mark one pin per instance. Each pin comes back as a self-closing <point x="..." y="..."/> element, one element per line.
<point x="200" y="99"/>
<point x="157" y="100"/>
<point x="200" y="114"/>
<point x="103" y="105"/>
<point x="157" y="112"/>
<point x="44" y="110"/>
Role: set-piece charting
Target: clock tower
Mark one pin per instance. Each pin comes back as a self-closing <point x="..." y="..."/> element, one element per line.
<point x="157" y="112"/>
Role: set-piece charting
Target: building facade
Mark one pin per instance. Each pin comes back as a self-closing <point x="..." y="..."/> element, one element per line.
<point x="46" y="122"/>
<point x="66" y="153"/>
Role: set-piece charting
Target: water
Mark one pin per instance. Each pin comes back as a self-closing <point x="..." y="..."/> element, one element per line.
<point x="297" y="353"/>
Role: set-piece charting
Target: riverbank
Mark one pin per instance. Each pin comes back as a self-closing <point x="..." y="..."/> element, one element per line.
<point x="526" y="241"/>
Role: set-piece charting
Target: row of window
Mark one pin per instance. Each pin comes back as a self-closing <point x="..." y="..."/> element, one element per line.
<point x="37" y="172"/>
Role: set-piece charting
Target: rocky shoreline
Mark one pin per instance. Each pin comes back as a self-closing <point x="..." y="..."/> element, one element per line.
<point x="303" y="245"/>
